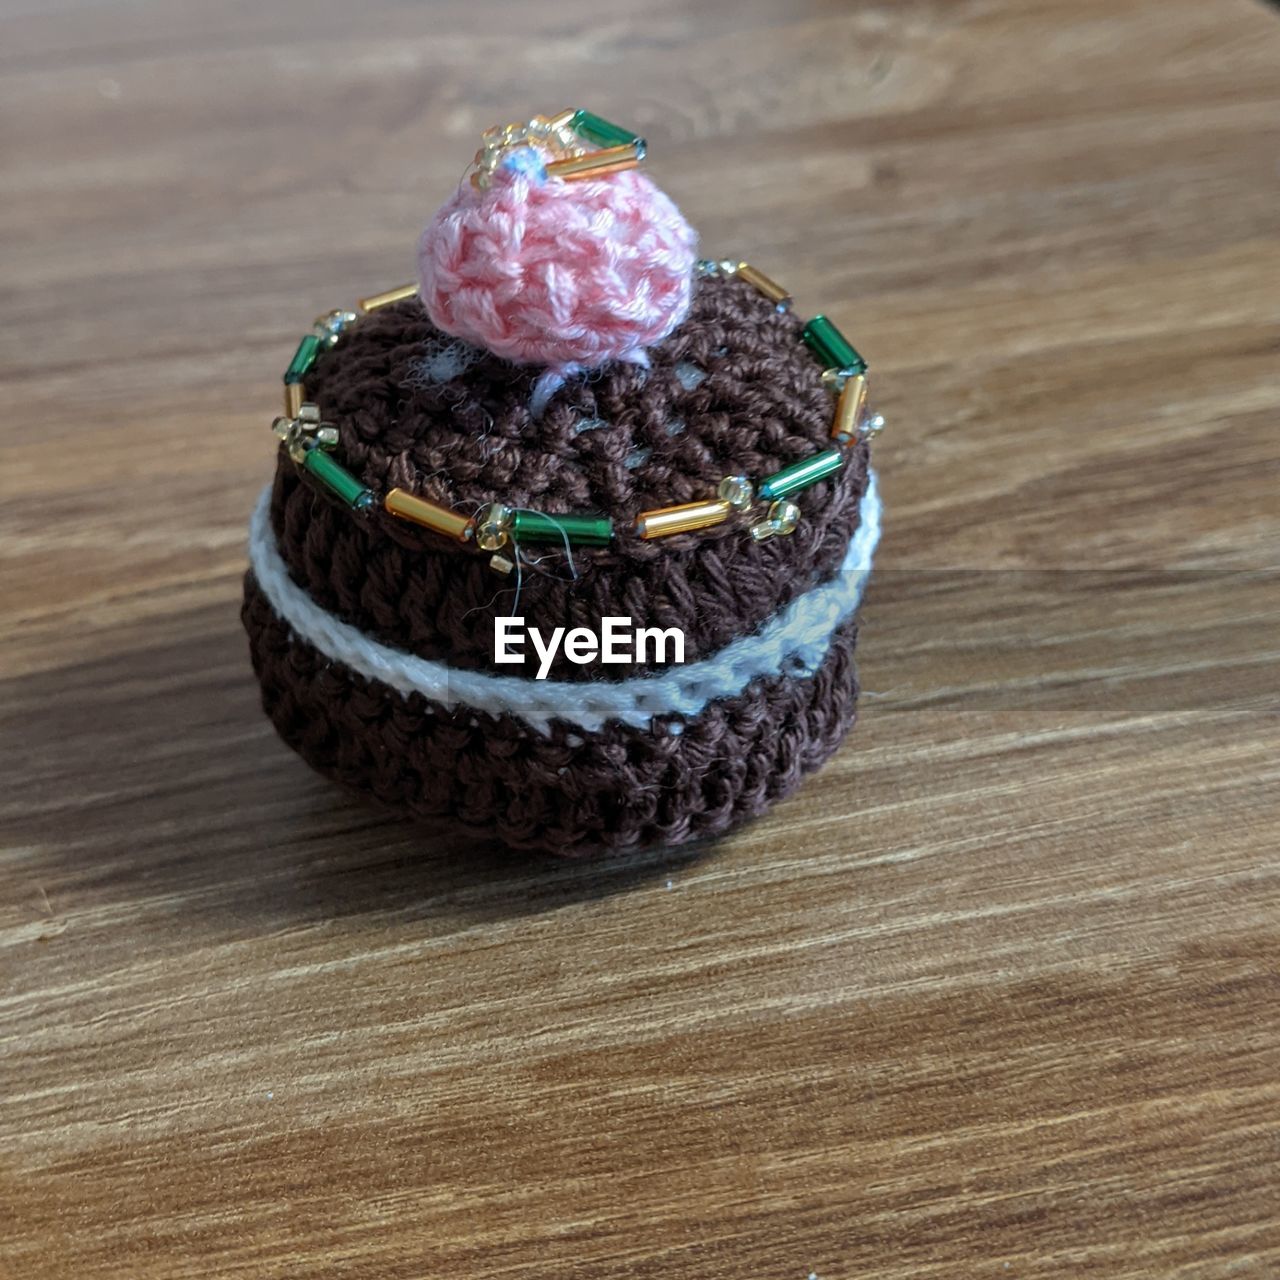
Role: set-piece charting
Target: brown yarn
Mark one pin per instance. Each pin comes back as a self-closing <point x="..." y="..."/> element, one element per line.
<point x="619" y="441"/>
<point x="470" y="441"/>
<point x="570" y="793"/>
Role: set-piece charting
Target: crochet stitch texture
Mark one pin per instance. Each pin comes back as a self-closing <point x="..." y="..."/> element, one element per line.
<point x="732" y="389"/>
<point x="794" y="641"/>
<point x="565" y="275"/>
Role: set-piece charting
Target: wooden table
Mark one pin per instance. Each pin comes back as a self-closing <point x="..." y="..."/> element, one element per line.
<point x="995" y="996"/>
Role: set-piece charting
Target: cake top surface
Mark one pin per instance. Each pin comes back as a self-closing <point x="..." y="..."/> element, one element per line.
<point x="733" y="391"/>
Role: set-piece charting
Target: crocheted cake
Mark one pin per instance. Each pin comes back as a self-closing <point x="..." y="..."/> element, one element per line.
<point x="568" y="418"/>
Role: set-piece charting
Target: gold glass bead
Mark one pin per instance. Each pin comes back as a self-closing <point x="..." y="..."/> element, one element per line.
<point x="686" y="517"/>
<point x="595" y="164"/>
<point x="736" y="491"/>
<point x="303" y="430"/>
<point x="761" y="283"/>
<point x="380" y="300"/>
<point x="493" y="527"/>
<point x="553" y="134"/>
<point x="442" y="520"/>
<point x="293" y="393"/>
<point x="290" y="433"/>
<point x="556" y="133"/>
<point x="850" y="408"/>
<point x="783" y="518"/>
<point x="836" y="378"/>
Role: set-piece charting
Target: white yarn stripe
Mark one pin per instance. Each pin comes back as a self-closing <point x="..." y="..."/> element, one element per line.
<point x="795" y="641"/>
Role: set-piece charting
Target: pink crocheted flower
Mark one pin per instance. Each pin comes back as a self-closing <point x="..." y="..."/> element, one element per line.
<point x="567" y="274"/>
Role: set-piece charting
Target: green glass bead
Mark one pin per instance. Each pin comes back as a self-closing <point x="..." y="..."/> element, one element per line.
<point x="832" y="347"/>
<point x="603" y="133"/>
<point x="584" y="531"/>
<point x="800" y="475"/>
<point x="303" y="359"/>
<point x="337" y="479"/>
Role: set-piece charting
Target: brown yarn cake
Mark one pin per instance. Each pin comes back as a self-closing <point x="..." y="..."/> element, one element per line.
<point x="626" y="439"/>
<point x="373" y="636"/>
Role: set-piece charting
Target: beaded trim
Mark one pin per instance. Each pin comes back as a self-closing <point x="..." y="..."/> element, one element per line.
<point x="569" y="137"/>
<point x="794" y="642"/>
<point x="497" y="528"/>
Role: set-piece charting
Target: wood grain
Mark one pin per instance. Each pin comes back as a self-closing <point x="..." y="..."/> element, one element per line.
<point x="995" y="996"/>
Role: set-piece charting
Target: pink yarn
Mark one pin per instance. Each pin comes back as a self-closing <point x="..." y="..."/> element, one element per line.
<point x="566" y="274"/>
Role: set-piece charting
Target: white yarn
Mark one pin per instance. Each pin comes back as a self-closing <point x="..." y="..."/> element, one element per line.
<point x="794" y="641"/>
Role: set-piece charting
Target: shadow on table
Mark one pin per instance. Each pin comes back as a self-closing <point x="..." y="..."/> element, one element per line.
<point x="152" y="773"/>
<point x="149" y="775"/>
